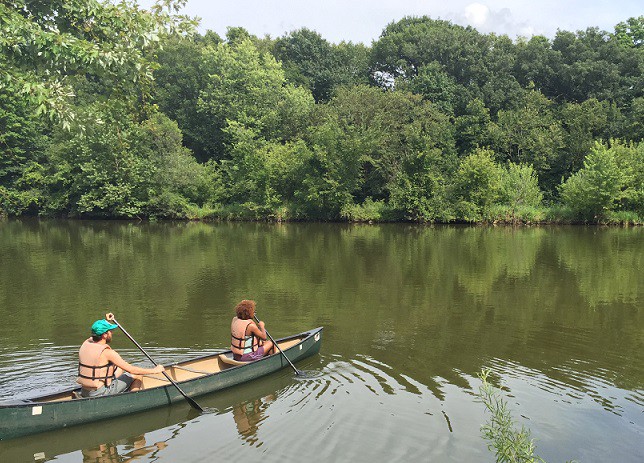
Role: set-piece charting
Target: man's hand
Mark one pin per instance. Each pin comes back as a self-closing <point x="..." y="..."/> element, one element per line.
<point x="159" y="369"/>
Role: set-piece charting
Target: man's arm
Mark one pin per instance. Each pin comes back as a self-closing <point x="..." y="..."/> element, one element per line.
<point x="116" y="359"/>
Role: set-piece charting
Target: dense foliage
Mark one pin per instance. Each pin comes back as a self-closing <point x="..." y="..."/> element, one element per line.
<point x="109" y="110"/>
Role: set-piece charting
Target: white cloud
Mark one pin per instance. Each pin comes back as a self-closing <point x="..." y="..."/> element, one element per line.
<point x="477" y="14"/>
<point x="487" y="20"/>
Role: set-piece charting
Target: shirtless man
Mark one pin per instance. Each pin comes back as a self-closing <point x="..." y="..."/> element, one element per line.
<point x="101" y="370"/>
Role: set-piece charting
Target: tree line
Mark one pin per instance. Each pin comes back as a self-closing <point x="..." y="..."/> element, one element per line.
<point x="109" y="110"/>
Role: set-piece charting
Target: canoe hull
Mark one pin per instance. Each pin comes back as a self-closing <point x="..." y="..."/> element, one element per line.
<point x="30" y="417"/>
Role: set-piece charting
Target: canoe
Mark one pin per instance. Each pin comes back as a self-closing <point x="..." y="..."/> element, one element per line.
<point x="196" y="377"/>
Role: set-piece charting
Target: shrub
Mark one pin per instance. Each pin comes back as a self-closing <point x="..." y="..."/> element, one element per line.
<point x="477" y="185"/>
<point x="595" y="190"/>
<point x="370" y="210"/>
<point x="519" y="189"/>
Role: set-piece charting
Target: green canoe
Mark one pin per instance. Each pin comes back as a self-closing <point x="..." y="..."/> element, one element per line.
<point x="196" y="377"/>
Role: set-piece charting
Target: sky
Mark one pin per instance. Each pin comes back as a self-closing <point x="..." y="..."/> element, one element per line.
<point x="364" y="20"/>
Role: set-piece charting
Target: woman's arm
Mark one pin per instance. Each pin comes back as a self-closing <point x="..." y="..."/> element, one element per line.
<point x="258" y="331"/>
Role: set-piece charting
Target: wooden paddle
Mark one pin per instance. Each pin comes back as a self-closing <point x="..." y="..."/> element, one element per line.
<point x="192" y="403"/>
<point x="297" y="372"/>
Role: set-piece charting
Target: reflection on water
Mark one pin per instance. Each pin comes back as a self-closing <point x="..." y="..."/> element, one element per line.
<point x="411" y="315"/>
<point x="134" y="449"/>
<point x="248" y="416"/>
<point x="138" y="437"/>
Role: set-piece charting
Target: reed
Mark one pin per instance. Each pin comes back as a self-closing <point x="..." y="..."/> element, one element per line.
<point x="509" y="443"/>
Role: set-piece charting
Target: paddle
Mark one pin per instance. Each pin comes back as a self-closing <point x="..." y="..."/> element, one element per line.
<point x="297" y="372"/>
<point x="192" y="403"/>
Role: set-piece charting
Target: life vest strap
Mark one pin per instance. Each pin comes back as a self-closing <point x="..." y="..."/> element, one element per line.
<point x="94" y="368"/>
<point x="241" y="342"/>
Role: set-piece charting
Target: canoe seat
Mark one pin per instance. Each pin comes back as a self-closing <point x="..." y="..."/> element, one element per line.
<point x="230" y="361"/>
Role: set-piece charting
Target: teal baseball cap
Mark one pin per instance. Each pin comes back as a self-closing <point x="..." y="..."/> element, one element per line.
<point x="101" y="326"/>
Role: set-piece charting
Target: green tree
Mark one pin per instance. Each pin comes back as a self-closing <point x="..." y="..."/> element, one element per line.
<point x="630" y="33"/>
<point x="500" y="88"/>
<point x="476" y="185"/>
<point x="97" y="172"/>
<point x="43" y="45"/>
<point x="177" y="185"/>
<point x="634" y="124"/>
<point x="537" y="64"/>
<point x="531" y="134"/>
<point x="23" y="143"/>
<point x="480" y="65"/>
<point x="583" y="123"/>
<point x="575" y="67"/>
<point x="375" y="135"/>
<point x="63" y="58"/>
<point x="595" y="190"/>
<point x="594" y="65"/>
<point x="435" y="85"/>
<point x="263" y="177"/>
<point x="333" y="174"/>
<point x="179" y="80"/>
<point x="519" y="188"/>
<point x="250" y="88"/>
<point x="630" y="160"/>
<point x="313" y="62"/>
<point x="420" y="188"/>
<point x="117" y="167"/>
<point x="474" y="128"/>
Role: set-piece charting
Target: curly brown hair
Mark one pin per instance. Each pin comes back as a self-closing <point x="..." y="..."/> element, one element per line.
<point x="245" y="309"/>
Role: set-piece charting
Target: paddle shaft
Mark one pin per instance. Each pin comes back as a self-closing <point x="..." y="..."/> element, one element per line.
<point x="297" y="372"/>
<point x="192" y="403"/>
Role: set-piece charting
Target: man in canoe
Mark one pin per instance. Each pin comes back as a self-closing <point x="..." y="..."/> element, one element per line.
<point x="248" y="339"/>
<point x="101" y="370"/>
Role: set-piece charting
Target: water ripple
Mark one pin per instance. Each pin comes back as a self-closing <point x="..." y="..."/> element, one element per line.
<point x="573" y="380"/>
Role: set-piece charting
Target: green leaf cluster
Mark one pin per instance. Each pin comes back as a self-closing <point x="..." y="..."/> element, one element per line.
<point x="610" y="180"/>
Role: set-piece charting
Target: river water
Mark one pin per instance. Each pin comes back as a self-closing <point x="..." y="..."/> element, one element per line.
<point x="411" y="315"/>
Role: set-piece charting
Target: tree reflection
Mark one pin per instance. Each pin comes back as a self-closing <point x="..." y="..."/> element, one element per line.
<point x="248" y="416"/>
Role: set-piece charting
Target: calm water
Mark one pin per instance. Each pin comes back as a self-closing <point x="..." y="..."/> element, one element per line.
<point x="411" y="315"/>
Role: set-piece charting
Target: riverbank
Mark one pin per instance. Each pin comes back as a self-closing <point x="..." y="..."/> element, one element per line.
<point x="373" y="213"/>
<point x="502" y="217"/>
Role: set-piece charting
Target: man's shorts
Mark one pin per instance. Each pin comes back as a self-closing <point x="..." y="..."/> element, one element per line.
<point x="120" y="384"/>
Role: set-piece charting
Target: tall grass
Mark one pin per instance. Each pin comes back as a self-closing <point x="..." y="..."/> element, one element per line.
<point x="510" y="444"/>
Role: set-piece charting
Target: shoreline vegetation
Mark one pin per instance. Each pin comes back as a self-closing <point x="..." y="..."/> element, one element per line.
<point x="111" y="111"/>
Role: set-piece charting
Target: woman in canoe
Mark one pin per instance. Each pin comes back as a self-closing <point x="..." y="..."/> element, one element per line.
<point x="248" y="339"/>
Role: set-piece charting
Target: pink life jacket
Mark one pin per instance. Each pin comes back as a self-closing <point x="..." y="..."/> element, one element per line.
<point x="91" y="374"/>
